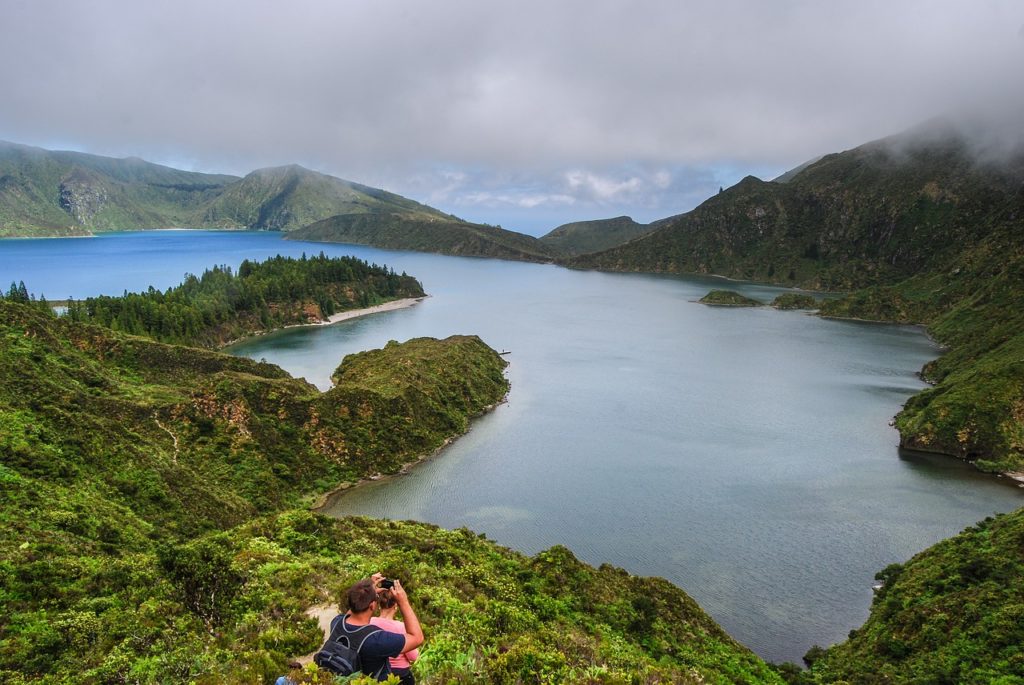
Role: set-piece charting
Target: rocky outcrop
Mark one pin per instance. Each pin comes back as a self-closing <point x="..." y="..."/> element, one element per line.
<point x="82" y="197"/>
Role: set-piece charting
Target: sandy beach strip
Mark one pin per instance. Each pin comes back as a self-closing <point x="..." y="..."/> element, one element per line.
<point x="335" y="318"/>
<point x="354" y="313"/>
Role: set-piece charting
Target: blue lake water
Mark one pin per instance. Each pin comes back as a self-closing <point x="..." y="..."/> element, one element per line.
<point x="744" y="454"/>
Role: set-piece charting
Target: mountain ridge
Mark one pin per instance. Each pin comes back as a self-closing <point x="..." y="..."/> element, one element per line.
<point x="424" y="233"/>
<point x="53" y="193"/>
<point x="581" y="237"/>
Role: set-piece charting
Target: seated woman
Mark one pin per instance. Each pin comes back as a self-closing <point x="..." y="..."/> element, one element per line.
<point x="400" y="665"/>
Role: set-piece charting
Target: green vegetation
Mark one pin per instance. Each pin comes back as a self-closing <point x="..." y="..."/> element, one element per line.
<point x="116" y="451"/>
<point x="444" y="235"/>
<point x="729" y="298"/>
<point x="952" y="614"/>
<point x="923" y="232"/>
<point x="795" y="301"/>
<point x="581" y="237"/>
<point x="200" y="438"/>
<point x="220" y="306"/>
<point x="149" y="530"/>
<point x="290" y="197"/>
<point x="45" y="193"/>
<point x="976" y="309"/>
<point x="229" y="608"/>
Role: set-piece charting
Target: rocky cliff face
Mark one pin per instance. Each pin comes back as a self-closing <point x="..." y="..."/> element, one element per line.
<point x="82" y="197"/>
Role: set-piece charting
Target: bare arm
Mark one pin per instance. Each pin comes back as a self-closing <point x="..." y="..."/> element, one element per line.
<point x="413" y="632"/>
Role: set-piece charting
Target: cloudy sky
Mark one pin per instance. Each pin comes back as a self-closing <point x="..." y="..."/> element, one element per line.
<point x="522" y="113"/>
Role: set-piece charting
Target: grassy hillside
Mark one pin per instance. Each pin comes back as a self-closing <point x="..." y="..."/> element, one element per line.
<point x="47" y="193"/>
<point x="290" y="197"/>
<point x="153" y="423"/>
<point x="148" y="533"/>
<point x="445" y="235"/>
<point x="952" y="614"/>
<point x="581" y="237"/>
<point x="71" y="193"/>
<point x="924" y="232"/>
<point x="877" y="214"/>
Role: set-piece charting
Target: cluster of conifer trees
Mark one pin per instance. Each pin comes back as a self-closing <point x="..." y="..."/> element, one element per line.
<point x="19" y="293"/>
<point x="222" y="305"/>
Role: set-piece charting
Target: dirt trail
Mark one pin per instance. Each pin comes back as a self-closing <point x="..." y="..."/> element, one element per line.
<point x="323" y="613"/>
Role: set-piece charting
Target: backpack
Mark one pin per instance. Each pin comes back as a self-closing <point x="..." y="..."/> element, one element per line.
<point x="340" y="654"/>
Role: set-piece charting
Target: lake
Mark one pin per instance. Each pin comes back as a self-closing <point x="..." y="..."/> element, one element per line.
<point x="743" y="454"/>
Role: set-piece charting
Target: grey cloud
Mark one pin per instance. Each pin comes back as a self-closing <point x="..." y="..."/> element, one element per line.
<point x="393" y="93"/>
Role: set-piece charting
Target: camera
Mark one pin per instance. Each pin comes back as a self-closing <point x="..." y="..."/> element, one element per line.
<point x="387" y="584"/>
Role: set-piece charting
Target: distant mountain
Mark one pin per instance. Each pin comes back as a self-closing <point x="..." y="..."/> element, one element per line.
<point x="290" y="197"/>
<point x="422" y="232"/>
<point x="928" y="231"/>
<point x="71" y="193"/>
<point x="880" y="213"/>
<point x="47" y="193"/>
<point x="582" y="237"/>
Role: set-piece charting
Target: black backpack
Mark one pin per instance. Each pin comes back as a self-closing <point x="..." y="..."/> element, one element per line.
<point x="340" y="654"/>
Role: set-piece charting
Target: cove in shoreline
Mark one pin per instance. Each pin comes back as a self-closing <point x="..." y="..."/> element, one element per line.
<point x="323" y="500"/>
<point x="337" y="318"/>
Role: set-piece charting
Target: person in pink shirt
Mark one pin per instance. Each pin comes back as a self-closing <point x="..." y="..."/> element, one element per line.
<point x="401" y="664"/>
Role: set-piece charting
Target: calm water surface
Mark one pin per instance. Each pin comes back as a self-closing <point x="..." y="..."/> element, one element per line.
<point x="744" y="454"/>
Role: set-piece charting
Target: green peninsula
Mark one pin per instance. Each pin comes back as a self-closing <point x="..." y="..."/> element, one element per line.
<point x="221" y="306"/>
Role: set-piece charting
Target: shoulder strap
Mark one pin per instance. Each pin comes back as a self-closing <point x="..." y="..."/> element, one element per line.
<point x="354" y="639"/>
<point x="340" y="632"/>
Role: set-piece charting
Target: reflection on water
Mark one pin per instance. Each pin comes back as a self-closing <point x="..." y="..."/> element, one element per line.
<point x="744" y="454"/>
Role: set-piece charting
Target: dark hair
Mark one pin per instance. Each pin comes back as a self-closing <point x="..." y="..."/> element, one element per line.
<point x="386" y="599"/>
<point x="361" y="595"/>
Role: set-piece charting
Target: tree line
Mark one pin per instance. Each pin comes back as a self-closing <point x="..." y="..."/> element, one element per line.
<point x="222" y="304"/>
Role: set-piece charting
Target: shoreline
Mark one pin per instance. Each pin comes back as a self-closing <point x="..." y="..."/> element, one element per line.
<point x="355" y="313"/>
<point x="393" y="305"/>
<point x="322" y="500"/>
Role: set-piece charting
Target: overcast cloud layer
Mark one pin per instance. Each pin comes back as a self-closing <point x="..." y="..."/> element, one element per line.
<point x="522" y="113"/>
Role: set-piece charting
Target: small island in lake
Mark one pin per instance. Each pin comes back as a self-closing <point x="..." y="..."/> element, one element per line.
<point x="729" y="298"/>
<point x="795" y="301"/>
